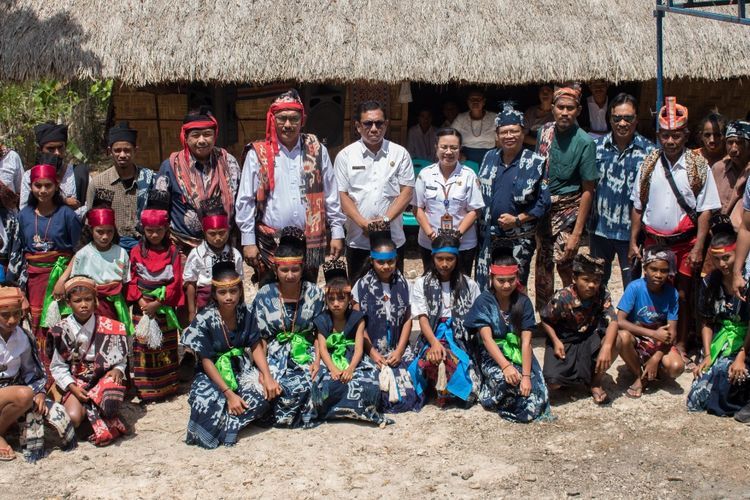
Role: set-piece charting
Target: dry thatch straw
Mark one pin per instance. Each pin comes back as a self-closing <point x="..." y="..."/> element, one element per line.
<point x="144" y="42"/>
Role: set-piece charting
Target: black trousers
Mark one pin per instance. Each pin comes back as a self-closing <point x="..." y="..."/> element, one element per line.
<point x="357" y="260"/>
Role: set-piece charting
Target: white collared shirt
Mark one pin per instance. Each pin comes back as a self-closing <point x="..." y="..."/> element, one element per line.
<point x="597" y="117"/>
<point x="11" y="171"/>
<point x="286" y="204"/>
<point x="464" y="195"/>
<point x="86" y="350"/>
<point x="662" y="212"/>
<point x="201" y="260"/>
<point x="15" y="355"/>
<point x="67" y="189"/>
<point x="373" y="181"/>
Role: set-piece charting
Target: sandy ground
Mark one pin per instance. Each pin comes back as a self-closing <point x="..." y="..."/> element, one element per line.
<point x="647" y="448"/>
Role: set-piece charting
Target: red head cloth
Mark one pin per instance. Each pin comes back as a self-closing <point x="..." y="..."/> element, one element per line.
<point x="154" y="218"/>
<point x="101" y="217"/>
<point x="497" y="270"/>
<point x="672" y="116"/>
<point x="215" y="222"/>
<point x="571" y="90"/>
<point x="43" y="172"/>
<point x="285" y="102"/>
<point x="196" y="122"/>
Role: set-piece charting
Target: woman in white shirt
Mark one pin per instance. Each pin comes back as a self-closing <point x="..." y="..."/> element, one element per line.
<point x="447" y="196"/>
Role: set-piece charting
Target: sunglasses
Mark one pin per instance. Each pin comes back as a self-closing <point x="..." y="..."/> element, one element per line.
<point x="378" y="124"/>
<point x="619" y="118"/>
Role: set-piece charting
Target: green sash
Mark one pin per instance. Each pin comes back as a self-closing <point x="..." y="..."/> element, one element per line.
<point x="224" y="366"/>
<point x="728" y="340"/>
<point x="300" y="346"/>
<point x="511" y="348"/>
<point x="168" y="311"/>
<point x="122" y="312"/>
<point x="58" y="268"/>
<point x="337" y="344"/>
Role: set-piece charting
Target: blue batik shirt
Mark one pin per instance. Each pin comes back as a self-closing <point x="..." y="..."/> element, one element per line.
<point x="617" y="173"/>
<point x="520" y="187"/>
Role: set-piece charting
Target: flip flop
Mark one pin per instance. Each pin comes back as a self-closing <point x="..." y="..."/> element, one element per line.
<point x="4" y="456"/>
<point x="600" y="397"/>
<point x="634" y="392"/>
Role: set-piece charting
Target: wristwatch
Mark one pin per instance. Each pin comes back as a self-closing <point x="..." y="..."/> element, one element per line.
<point x="518" y="221"/>
<point x="386" y="219"/>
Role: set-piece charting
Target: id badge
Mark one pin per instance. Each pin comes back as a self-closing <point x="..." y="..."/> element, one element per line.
<point x="446" y="222"/>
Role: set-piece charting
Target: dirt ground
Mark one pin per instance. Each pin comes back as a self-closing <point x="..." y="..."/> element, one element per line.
<point x="647" y="448"/>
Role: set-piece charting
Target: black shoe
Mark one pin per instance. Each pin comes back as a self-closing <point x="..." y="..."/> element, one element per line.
<point x="743" y="416"/>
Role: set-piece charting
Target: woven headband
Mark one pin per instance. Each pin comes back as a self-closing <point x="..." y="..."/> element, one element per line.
<point x="227" y="284"/>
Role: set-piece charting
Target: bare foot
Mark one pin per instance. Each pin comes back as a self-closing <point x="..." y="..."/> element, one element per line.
<point x="635" y="391"/>
<point x="6" y="452"/>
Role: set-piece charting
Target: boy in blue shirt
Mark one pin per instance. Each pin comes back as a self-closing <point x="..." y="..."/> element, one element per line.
<point x="647" y="317"/>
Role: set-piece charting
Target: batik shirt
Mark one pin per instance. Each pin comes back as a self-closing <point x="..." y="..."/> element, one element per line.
<point x="617" y="171"/>
<point x="722" y="305"/>
<point x="569" y="315"/>
<point x="205" y="335"/>
<point x="273" y="317"/>
<point x="183" y="218"/>
<point x="520" y="187"/>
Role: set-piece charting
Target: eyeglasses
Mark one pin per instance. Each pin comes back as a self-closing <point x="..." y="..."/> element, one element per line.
<point x="378" y="124"/>
<point x="447" y="147"/>
<point x="293" y="119"/>
<point x="619" y="118"/>
<point x="509" y="133"/>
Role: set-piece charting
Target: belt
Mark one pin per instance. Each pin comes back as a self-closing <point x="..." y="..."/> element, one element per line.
<point x="672" y="239"/>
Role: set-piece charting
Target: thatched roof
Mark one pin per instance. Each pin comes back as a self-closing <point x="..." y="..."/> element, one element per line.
<point x="144" y="42"/>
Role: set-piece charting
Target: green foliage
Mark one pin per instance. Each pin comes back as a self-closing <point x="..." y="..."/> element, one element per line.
<point x="24" y="105"/>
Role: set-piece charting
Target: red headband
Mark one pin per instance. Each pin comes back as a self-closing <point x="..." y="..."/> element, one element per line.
<point x="271" y="136"/>
<point x="154" y="218"/>
<point x="724" y="249"/>
<point x="43" y="172"/>
<point x="503" y="270"/>
<point x="101" y="217"/>
<point x="215" y="222"/>
<point x="196" y="125"/>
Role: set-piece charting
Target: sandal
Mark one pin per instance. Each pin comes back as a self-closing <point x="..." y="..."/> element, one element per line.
<point x="634" y="392"/>
<point x="600" y="396"/>
<point x="7" y="454"/>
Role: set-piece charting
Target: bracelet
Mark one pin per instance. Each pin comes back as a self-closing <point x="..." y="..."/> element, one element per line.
<point x="526" y="376"/>
<point x="506" y="366"/>
<point x="225" y="390"/>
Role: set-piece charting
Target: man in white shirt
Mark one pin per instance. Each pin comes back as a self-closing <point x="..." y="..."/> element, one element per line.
<point x="288" y="180"/>
<point x="52" y="140"/>
<point x="375" y="179"/>
<point x="679" y="222"/>
<point x="477" y="127"/>
<point x="11" y="177"/>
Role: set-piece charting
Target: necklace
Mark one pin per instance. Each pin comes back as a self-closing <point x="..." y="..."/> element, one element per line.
<point x="481" y="125"/>
<point x="226" y="334"/>
<point x="283" y="312"/>
<point x="37" y="240"/>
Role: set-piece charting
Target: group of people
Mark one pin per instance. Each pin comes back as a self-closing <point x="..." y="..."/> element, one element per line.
<point x="133" y="279"/>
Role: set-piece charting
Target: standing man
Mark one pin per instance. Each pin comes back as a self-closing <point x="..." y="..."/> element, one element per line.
<point x="288" y="180"/>
<point x="11" y="177"/>
<point x="375" y="178"/>
<point x="477" y="127"/>
<point x="730" y="173"/>
<point x="514" y="187"/>
<point x="421" y="139"/>
<point x="593" y="118"/>
<point x="673" y="197"/>
<point x="572" y="173"/>
<point x="198" y="172"/>
<point x="129" y="183"/>
<point x="619" y="156"/>
<point x="73" y="180"/>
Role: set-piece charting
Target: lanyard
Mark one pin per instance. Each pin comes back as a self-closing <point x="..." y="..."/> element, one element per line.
<point x="446" y="193"/>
